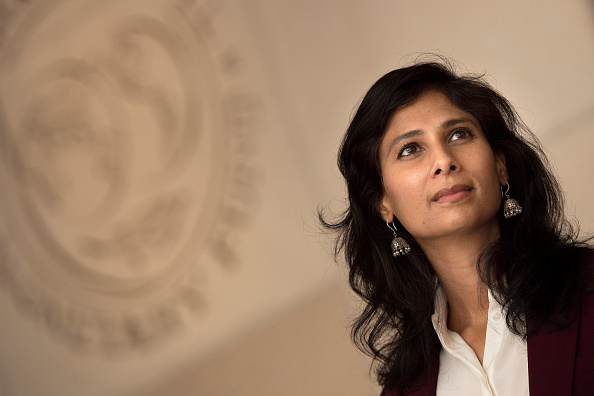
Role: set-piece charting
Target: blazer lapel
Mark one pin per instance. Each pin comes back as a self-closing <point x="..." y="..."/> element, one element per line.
<point x="551" y="357"/>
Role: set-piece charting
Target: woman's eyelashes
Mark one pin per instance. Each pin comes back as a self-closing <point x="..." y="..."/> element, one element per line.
<point x="461" y="133"/>
<point x="408" y="149"/>
<point x="411" y="148"/>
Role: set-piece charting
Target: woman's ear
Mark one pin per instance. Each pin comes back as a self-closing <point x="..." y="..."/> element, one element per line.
<point x="501" y="167"/>
<point x="383" y="208"/>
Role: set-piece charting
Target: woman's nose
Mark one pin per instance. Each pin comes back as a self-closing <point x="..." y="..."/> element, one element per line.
<point x="444" y="162"/>
<point x="451" y="168"/>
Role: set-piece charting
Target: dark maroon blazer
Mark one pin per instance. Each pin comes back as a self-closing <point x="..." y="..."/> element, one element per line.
<point x="560" y="363"/>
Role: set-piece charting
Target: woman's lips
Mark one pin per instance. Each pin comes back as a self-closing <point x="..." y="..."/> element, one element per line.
<point x="453" y="193"/>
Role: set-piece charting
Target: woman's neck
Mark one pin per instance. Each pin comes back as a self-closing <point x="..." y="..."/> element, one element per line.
<point x="455" y="261"/>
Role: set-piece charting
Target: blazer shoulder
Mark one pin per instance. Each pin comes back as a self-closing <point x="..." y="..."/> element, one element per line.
<point x="393" y="392"/>
<point x="588" y="270"/>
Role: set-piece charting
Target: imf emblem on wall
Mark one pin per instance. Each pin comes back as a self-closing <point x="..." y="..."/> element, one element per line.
<point x="127" y="163"/>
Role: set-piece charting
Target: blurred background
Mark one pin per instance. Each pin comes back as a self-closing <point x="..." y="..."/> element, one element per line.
<point x="162" y="162"/>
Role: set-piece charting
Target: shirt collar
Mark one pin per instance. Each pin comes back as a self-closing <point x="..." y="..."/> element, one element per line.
<point x="440" y="310"/>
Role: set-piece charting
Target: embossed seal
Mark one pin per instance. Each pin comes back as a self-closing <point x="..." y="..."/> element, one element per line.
<point x="127" y="164"/>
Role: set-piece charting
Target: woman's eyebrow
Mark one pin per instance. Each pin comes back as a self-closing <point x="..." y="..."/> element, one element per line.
<point x="405" y="135"/>
<point x="455" y="121"/>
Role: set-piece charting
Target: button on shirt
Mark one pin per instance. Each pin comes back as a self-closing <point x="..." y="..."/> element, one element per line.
<point x="504" y="371"/>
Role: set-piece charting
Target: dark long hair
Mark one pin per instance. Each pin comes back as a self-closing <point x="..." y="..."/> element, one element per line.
<point x="533" y="269"/>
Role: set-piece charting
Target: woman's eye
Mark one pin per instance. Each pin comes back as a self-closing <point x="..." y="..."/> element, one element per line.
<point x="460" y="134"/>
<point x="408" y="150"/>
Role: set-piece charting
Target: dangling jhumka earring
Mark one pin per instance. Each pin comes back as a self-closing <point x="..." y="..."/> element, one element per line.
<point x="399" y="246"/>
<point x="511" y="207"/>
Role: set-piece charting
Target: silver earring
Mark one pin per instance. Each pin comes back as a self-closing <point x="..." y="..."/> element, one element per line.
<point x="399" y="246"/>
<point x="511" y="207"/>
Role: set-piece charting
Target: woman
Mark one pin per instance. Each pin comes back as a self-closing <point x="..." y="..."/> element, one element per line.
<point x="468" y="291"/>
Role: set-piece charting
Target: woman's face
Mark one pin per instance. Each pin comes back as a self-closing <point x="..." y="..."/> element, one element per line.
<point x="439" y="173"/>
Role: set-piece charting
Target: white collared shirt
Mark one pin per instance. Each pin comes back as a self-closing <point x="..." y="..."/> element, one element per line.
<point x="504" y="371"/>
